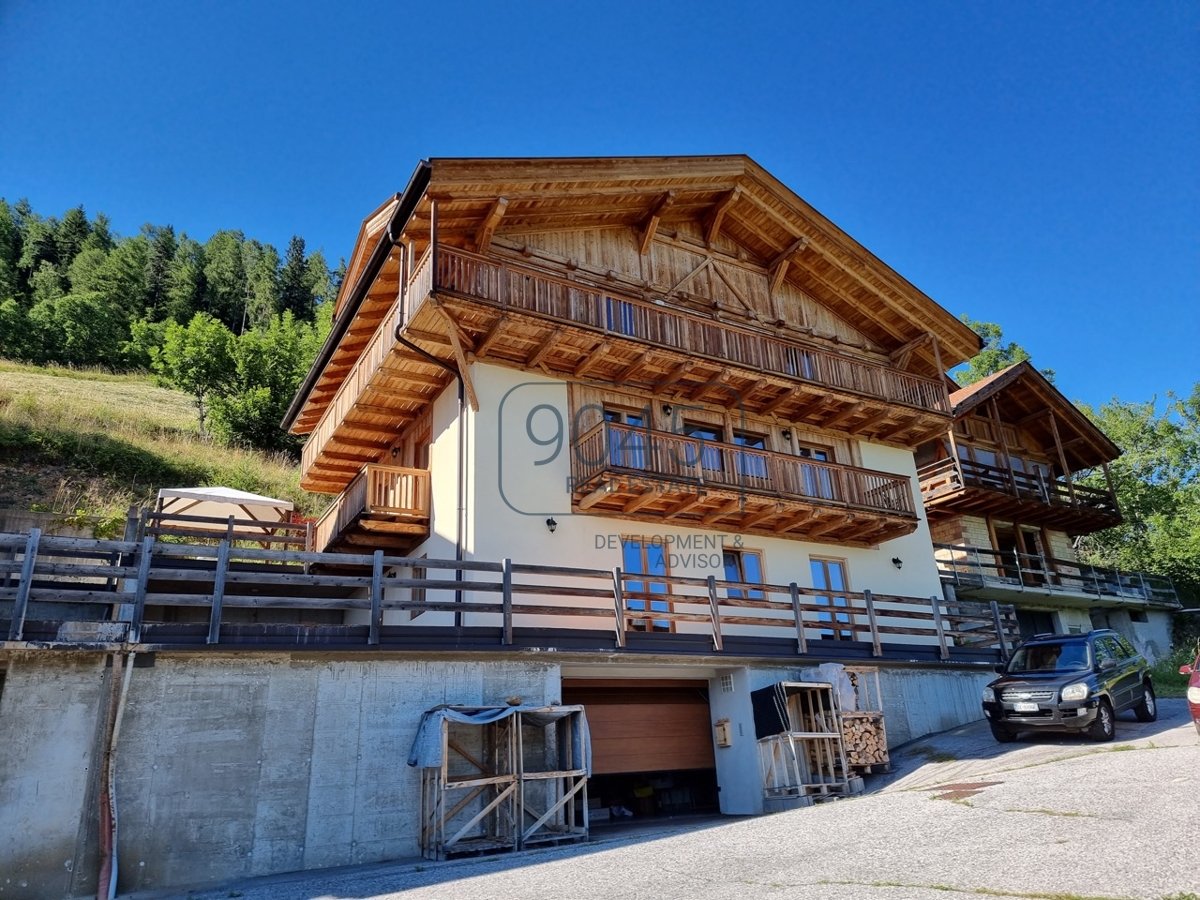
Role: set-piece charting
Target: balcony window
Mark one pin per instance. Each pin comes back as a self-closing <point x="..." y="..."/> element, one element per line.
<point x="829" y="577"/>
<point x="640" y="557"/>
<point x="626" y="448"/>
<point x="751" y="466"/>
<point x="818" y="480"/>
<point x="744" y="566"/>
<point x="710" y="457"/>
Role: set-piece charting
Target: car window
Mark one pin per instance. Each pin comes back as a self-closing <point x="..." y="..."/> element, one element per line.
<point x="1127" y="649"/>
<point x="1063" y="657"/>
<point x="1106" y="648"/>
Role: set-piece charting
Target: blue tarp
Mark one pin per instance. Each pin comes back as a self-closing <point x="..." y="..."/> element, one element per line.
<point x="427" y="747"/>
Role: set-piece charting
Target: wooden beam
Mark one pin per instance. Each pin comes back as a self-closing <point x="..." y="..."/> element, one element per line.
<point x="795" y="522"/>
<point x="464" y="370"/>
<point x="595" y="496"/>
<point x="900" y="356"/>
<point x="870" y="422"/>
<point x="653" y="219"/>
<point x="837" y="523"/>
<point x="797" y="245"/>
<point x="493" y="335"/>
<point x="624" y="375"/>
<point x="592" y="357"/>
<point x="686" y="505"/>
<point x="675" y="374"/>
<point x="483" y="237"/>
<point x="548" y="346"/>
<point x="763" y="515"/>
<point x="640" y="501"/>
<point x="843" y="416"/>
<point x="1062" y="457"/>
<point x="718" y="215"/>
<point x="722" y="511"/>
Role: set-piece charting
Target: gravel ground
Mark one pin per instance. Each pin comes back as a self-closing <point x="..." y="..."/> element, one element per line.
<point x="1065" y="820"/>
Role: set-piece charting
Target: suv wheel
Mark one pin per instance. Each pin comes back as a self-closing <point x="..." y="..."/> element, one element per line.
<point x="1103" y="729"/>
<point x="1003" y="735"/>
<point x="1147" y="710"/>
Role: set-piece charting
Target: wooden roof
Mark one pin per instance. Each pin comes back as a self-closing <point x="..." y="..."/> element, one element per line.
<point x="1024" y="396"/>
<point x="731" y="196"/>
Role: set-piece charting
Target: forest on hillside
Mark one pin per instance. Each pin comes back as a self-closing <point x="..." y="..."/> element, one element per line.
<point x="230" y="320"/>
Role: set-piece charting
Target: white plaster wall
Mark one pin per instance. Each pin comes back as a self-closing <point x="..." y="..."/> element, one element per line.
<point x="512" y="496"/>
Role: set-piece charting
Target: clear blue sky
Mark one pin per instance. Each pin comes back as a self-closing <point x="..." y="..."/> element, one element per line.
<point x="1037" y="165"/>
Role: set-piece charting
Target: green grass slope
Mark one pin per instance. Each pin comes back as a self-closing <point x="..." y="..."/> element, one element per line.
<point x="86" y="445"/>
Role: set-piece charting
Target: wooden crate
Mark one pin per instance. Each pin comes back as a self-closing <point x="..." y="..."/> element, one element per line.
<point x="552" y="797"/>
<point x="808" y="759"/>
<point x="864" y="733"/>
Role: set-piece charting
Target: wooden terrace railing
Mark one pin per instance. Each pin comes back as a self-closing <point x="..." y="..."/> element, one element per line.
<point x="949" y="475"/>
<point x="297" y="535"/>
<point x="973" y="567"/>
<point x="133" y="575"/>
<point x="609" y="447"/>
<point x="598" y="308"/>
<point x="377" y="490"/>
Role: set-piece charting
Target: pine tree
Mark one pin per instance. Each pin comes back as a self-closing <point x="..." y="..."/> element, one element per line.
<point x="295" y="284"/>
<point x="69" y="237"/>
<point x="160" y="253"/>
<point x="226" y="286"/>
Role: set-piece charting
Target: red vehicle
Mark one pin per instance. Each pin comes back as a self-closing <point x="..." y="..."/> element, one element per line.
<point x="1193" y="691"/>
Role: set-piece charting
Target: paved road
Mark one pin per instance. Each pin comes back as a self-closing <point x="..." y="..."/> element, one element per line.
<point x="1062" y="819"/>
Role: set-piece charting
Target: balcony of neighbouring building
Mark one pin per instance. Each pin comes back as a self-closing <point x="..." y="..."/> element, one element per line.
<point x="384" y="506"/>
<point x="461" y="306"/>
<point x="1015" y="577"/>
<point x="628" y="472"/>
<point x="958" y="486"/>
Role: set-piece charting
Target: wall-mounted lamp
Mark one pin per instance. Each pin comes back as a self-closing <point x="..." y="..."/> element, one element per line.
<point x="666" y="409"/>
<point x="551" y="524"/>
<point x="787" y="434"/>
<point x="896" y="561"/>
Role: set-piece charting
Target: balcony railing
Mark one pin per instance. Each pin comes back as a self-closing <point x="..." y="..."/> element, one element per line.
<point x="384" y="491"/>
<point x="598" y="308"/>
<point x="975" y="567"/>
<point x="948" y="476"/>
<point x="142" y="577"/>
<point x="611" y="448"/>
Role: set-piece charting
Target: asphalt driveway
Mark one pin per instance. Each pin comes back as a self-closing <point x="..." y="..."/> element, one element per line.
<point x="1058" y="818"/>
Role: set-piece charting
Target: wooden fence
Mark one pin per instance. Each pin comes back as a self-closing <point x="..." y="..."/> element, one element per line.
<point x="134" y="575"/>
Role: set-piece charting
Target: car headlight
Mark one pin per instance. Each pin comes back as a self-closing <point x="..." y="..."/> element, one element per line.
<point x="989" y="696"/>
<point x="1193" y="695"/>
<point x="1077" y="691"/>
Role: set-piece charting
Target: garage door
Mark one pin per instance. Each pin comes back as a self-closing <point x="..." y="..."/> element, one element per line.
<point x="646" y="728"/>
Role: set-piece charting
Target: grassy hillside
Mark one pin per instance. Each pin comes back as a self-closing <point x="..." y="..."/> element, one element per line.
<point x="86" y="444"/>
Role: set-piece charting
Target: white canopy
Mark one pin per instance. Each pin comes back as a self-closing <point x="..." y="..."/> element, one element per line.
<point x="223" y="502"/>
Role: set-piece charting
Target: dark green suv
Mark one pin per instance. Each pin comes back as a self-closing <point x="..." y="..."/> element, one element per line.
<point x="1069" y="682"/>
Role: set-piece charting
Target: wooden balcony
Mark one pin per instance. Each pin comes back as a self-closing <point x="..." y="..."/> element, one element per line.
<point x="462" y="305"/>
<point x="384" y="506"/>
<point x="630" y="473"/>
<point x="954" y="487"/>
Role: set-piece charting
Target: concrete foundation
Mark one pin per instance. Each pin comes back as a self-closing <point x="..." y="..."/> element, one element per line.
<point x="237" y="765"/>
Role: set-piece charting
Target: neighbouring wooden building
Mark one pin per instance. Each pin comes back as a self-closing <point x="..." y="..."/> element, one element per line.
<point x="1005" y="504"/>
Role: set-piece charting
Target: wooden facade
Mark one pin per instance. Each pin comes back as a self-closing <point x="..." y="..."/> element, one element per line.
<point x="687" y="280"/>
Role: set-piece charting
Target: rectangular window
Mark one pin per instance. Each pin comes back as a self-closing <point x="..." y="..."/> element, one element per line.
<point x="710" y="457"/>
<point x="751" y="466"/>
<point x="418" y="595"/>
<point x="818" y="480"/>
<point x="829" y="576"/>
<point x="744" y="566"/>
<point x="620" y="316"/>
<point x="626" y="446"/>
<point x="645" y="558"/>
<point x="800" y="363"/>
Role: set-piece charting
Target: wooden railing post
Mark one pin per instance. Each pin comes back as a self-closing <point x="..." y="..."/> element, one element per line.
<point x="715" y="607"/>
<point x="869" y="600"/>
<point x="229" y="530"/>
<point x="17" y="628"/>
<point x="1000" y="637"/>
<point x="140" y="587"/>
<point x="506" y="600"/>
<point x="376" y="598"/>
<point x="214" y="621"/>
<point x="801" y="641"/>
<point x="619" y="605"/>
<point x="939" y="625"/>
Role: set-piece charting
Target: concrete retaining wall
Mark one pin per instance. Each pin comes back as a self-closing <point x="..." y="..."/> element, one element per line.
<point x="232" y="766"/>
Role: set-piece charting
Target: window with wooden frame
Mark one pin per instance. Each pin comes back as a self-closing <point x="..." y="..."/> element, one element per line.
<point x="829" y="577"/>
<point x="626" y="446"/>
<point x="818" y="480"/>
<point x="641" y="557"/>
<point x="706" y="434"/>
<point x="752" y="466"/>
<point x="745" y="566"/>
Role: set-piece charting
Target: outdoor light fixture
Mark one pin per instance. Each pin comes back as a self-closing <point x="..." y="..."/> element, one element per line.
<point x="787" y="434"/>
<point x="896" y="561"/>
<point x="666" y="409"/>
<point x="551" y="524"/>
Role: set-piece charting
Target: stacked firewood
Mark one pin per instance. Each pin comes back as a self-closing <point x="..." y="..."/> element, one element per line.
<point x="864" y="738"/>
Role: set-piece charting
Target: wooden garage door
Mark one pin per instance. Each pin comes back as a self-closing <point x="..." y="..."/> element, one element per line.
<point x="646" y="728"/>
